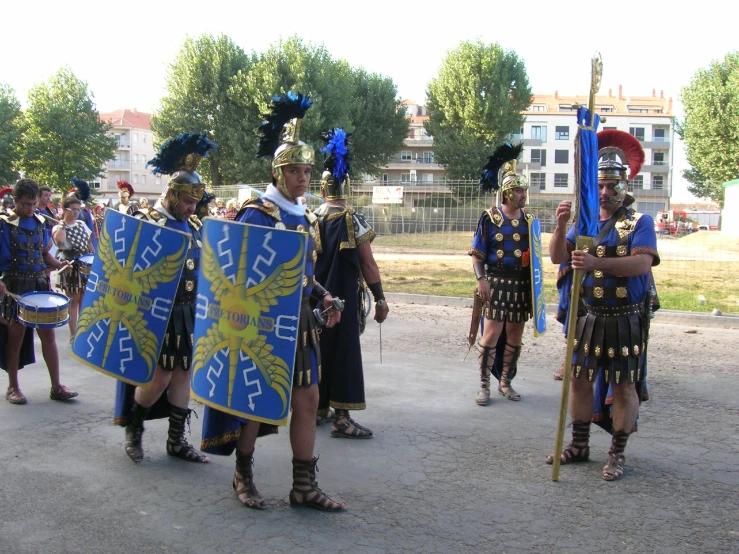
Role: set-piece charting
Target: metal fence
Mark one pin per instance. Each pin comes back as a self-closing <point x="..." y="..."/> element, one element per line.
<point x="441" y="206"/>
<point x="698" y="272"/>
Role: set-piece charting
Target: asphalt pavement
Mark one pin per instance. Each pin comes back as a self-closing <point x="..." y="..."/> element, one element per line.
<point x="441" y="474"/>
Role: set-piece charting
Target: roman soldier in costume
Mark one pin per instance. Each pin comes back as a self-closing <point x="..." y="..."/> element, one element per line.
<point x="6" y="200"/>
<point x="500" y="259"/>
<point x="280" y="207"/>
<point x="81" y="190"/>
<point x="73" y="238"/>
<point x="168" y="394"/>
<point x="24" y="255"/>
<point x="344" y="261"/>
<point x="618" y="296"/>
<point x="125" y="194"/>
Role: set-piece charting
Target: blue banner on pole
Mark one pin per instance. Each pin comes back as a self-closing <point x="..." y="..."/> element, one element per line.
<point x="129" y="296"/>
<point x="586" y="148"/>
<point x="538" y="304"/>
<point x="246" y="322"/>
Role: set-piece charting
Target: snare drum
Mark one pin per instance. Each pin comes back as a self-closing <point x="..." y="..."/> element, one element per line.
<point x="85" y="262"/>
<point x="43" y="310"/>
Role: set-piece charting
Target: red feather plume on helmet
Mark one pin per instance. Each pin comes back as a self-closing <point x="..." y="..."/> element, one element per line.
<point x="125" y="185"/>
<point x="628" y="145"/>
<point x="6" y="191"/>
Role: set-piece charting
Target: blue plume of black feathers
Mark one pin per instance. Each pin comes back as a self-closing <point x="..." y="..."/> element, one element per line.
<point x="83" y="189"/>
<point x="504" y="153"/>
<point x="338" y="161"/>
<point x="284" y="108"/>
<point x="173" y="152"/>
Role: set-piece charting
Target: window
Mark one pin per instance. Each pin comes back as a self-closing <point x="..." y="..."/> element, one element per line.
<point x="561" y="156"/>
<point x="539" y="156"/>
<point x="638" y="132"/>
<point x="658" y="182"/>
<point x="427" y="177"/>
<point x="384" y="178"/>
<point x="135" y="137"/>
<point x="96" y="185"/>
<point x="118" y="140"/>
<point x="538" y="108"/>
<point x="658" y="158"/>
<point x="539" y="132"/>
<point x="537" y="180"/>
<point x="650" y="208"/>
<point x="428" y="157"/>
<point x="609" y="128"/>
<point x="411" y="133"/>
<point x="143" y="178"/>
<point x="158" y="179"/>
<point x="405" y="177"/>
<point x="406" y="155"/>
<point x="604" y="109"/>
<point x="561" y="133"/>
<point x="636" y="184"/>
<point x="566" y="108"/>
<point x="658" y="135"/>
<point x="135" y="158"/>
<point x="561" y="180"/>
<point x="518" y="135"/>
<point x="135" y="179"/>
<point x="143" y="138"/>
<point x="637" y="109"/>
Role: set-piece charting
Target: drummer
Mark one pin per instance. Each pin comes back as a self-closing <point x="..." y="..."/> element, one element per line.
<point x="73" y="238"/>
<point x="24" y="254"/>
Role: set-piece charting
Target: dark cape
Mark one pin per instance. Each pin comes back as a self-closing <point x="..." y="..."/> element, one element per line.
<point x="338" y="270"/>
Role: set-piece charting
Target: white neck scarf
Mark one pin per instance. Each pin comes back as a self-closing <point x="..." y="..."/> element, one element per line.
<point x="278" y="198"/>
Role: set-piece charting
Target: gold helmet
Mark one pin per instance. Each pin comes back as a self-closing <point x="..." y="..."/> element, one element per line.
<point x="613" y="144"/>
<point x="335" y="183"/>
<point x="280" y="136"/>
<point x="179" y="157"/>
<point x="499" y="173"/>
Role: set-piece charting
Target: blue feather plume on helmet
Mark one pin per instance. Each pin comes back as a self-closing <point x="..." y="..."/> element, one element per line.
<point x="82" y="189"/>
<point x="173" y="153"/>
<point x="338" y="161"/>
<point x="284" y="108"/>
<point x="505" y="153"/>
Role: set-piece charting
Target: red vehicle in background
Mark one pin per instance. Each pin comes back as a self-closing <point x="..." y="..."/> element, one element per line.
<point x="680" y="222"/>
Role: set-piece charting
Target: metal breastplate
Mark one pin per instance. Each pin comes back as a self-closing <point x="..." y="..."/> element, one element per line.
<point x="22" y="240"/>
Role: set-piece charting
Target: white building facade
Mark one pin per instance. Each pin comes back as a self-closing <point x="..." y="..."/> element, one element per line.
<point x="134" y="147"/>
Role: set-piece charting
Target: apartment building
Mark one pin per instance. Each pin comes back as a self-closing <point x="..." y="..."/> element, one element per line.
<point x="134" y="147"/>
<point x="414" y="164"/>
<point x="549" y="134"/>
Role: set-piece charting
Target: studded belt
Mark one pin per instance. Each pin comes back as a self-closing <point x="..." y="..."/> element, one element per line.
<point x="613" y="311"/>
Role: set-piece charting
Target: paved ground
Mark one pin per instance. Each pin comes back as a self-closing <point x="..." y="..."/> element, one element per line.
<point x="441" y="475"/>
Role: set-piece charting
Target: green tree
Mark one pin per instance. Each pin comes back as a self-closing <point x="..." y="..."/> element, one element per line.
<point x="379" y="122"/>
<point x="11" y="131"/>
<point x="710" y="127"/>
<point x="474" y="103"/>
<point x="201" y="98"/>
<point x="363" y="104"/>
<point x="64" y="135"/>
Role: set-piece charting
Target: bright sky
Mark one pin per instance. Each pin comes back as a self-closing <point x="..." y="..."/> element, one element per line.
<point x="122" y="49"/>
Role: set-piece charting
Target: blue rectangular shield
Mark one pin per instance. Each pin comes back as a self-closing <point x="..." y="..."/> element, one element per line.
<point x="246" y="322"/>
<point x="129" y="296"/>
<point x="538" y="304"/>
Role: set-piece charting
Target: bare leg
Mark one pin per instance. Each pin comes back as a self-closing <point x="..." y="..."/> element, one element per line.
<point x="488" y="341"/>
<point x="303" y="423"/>
<point x="51" y="354"/>
<point x="243" y="482"/>
<point x="13" y="352"/>
<point x="179" y="388"/>
<point x="74" y="312"/>
<point x="514" y="336"/>
<point x="146" y="397"/>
